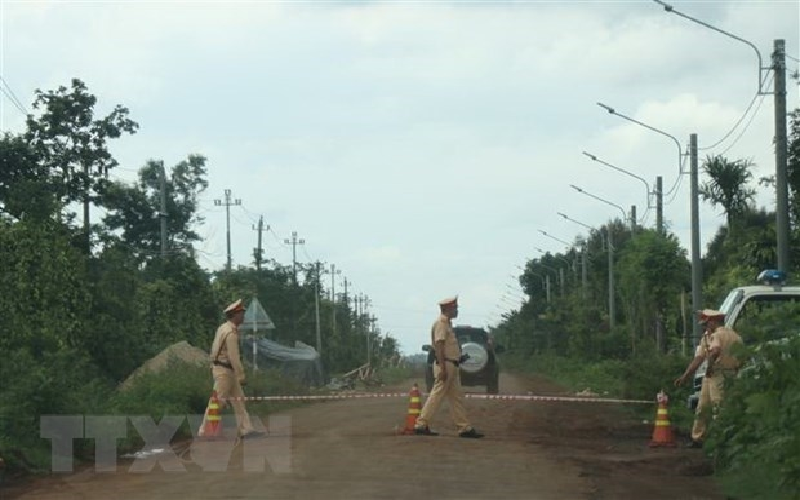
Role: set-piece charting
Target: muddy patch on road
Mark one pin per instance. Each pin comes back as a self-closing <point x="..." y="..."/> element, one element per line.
<point x="612" y="450"/>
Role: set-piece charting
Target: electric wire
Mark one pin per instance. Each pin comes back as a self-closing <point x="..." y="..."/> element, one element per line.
<point x="747" y="126"/>
<point x="741" y="118"/>
<point x="9" y="93"/>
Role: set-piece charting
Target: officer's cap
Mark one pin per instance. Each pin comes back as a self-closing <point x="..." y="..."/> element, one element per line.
<point x="235" y="307"/>
<point x="707" y="314"/>
<point x="450" y="301"/>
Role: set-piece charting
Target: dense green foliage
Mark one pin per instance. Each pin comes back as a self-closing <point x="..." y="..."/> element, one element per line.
<point x="570" y="337"/>
<point x="84" y="305"/>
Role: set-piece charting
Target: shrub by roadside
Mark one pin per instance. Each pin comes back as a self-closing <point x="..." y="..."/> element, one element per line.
<point x="756" y="437"/>
<point x="180" y="388"/>
<point x="640" y="378"/>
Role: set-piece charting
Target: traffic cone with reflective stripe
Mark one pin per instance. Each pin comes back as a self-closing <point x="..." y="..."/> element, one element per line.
<point x="213" y="421"/>
<point x="663" y="433"/>
<point x="414" y="408"/>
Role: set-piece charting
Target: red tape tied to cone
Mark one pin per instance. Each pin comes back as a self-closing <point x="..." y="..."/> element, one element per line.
<point x="498" y="397"/>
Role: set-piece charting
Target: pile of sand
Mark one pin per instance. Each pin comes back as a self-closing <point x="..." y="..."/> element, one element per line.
<point x="182" y="351"/>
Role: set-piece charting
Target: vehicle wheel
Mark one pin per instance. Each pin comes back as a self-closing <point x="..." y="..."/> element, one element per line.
<point x="493" y="387"/>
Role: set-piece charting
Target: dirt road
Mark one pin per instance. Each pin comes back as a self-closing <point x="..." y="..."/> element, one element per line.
<point x="349" y="450"/>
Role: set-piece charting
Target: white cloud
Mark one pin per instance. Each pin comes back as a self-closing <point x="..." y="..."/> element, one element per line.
<point x="419" y="147"/>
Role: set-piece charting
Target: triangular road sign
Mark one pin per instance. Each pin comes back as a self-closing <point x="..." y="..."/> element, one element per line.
<point x="256" y="318"/>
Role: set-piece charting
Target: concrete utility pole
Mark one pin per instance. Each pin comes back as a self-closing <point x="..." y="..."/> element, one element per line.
<point x="294" y="242"/>
<point x="334" y="272"/>
<point x="86" y="225"/>
<point x="346" y="283"/>
<point x="697" y="271"/>
<point x="259" y="251"/>
<point x="611" y="306"/>
<point x="584" y="271"/>
<point x="547" y="286"/>
<point x="316" y="300"/>
<point x="227" y="205"/>
<point x="163" y="214"/>
<point x="633" y="219"/>
<point x="781" y="150"/>
<point x="373" y="331"/>
<point x="365" y="303"/>
<point x="659" y="205"/>
<point x="561" y="279"/>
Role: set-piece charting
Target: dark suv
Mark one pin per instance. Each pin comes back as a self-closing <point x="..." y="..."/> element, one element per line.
<point x="482" y="366"/>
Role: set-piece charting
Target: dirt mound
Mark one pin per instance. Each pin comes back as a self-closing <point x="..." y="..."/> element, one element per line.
<point x="182" y="351"/>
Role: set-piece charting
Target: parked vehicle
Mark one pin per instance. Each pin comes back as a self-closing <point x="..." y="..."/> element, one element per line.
<point x="761" y="314"/>
<point x="481" y="367"/>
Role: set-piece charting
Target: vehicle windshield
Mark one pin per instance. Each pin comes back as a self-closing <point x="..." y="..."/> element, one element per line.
<point x="768" y="317"/>
<point x="730" y="301"/>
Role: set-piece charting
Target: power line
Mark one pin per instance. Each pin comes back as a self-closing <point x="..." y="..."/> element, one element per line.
<point x="739" y="121"/>
<point x="747" y="126"/>
<point x="12" y="97"/>
<point x="675" y="187"/>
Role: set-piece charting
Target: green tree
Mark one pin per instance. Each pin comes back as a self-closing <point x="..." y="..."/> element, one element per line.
<point x="135" y="210"/>
<point x="653" y="270"/>
<point x="25" y="189"/>
<point x="728" y="185"/>
<point x="73" y="146"/>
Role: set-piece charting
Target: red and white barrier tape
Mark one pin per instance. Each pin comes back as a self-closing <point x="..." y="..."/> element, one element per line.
<point x="500" y="397"/>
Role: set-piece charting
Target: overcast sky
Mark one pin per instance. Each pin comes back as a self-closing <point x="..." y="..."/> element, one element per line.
<point x="419" y="147"/>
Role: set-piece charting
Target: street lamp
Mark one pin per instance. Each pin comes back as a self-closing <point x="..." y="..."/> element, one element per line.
<point x="677" y="142"/>
<point x="646" y="185"/>
<point x="584" y="252"/>
<point x="576" y="222"/>
<point x="609" y="239"/>
<point x="580" y="190"/>
<point x="669" y="8"/>
<point x="574" y="265"/>
<point x="553" y="237"/>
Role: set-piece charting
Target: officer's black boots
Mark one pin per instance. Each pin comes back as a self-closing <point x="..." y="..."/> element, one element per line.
<point x="472" y="433"/>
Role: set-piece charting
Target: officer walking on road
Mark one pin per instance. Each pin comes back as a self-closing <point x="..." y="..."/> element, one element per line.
<point x="228" y="371"/>
<point x="447" y="375"/>
<point x="714" y="348"/>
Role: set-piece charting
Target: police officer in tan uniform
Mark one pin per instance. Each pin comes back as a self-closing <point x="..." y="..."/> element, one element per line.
<point x="714" y="348"/>
<point x="227" y="369"/>
<point x="447" y="375"/>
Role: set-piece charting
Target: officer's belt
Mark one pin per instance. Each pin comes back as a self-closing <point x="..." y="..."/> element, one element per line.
<point x="454" y="361"/>
<point x="223" y="364"/>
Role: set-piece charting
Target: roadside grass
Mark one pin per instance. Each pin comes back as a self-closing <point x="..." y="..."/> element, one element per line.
<point x="180" y="390"/>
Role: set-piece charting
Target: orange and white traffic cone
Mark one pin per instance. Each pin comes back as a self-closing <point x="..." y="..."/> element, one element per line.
<point x="663" y="433"/>
<point x="213" y="422"/>
<point x="414" y="408"/>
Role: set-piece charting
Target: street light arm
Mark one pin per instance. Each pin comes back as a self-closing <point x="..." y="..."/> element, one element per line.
<point x="598" y="160"/>
<point x="576" y="222"/>
<point x="676" y="141"/>
<point x="553" y="237"/>
<point x="624" y="214"/>
<point x="669" y="8"/>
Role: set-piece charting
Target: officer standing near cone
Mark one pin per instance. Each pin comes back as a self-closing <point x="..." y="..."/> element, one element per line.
<point x="447" y="375"/>
<point x="714" y="348"/>
<point x="227" y="369"/>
